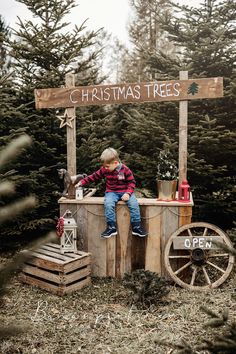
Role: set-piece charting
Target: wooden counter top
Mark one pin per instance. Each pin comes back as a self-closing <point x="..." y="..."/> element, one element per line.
<point x="141" y="201"/>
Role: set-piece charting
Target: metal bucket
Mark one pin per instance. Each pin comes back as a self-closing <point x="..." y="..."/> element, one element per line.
<point x="166" y="189"/>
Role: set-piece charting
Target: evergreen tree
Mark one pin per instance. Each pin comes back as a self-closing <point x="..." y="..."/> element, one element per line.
<point x="42" y="52"/>
<point x="204" y="44"/>
<point x="206" y="37"/>
<point x="147" y="37"/>
<point x="143" y="130"/>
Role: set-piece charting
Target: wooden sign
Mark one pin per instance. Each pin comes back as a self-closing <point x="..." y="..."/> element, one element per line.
<point x="173" y="90"/>
<point x="192" y="242"/>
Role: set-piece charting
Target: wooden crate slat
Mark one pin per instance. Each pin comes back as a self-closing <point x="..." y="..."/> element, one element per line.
<point x="35" y="271"/>
<point x="77" y="286"/>
<point x="83" y="254"/>
<point x="45" y="263"/>
<point x="47" y="258"/>
<point x="76" y="275"/>
<point x="58" y="289"/>
<point x="39" y="283"/>
<point x="54" y="255"/>
<point x="69" y="267"/>
<point x="56" y="250"/>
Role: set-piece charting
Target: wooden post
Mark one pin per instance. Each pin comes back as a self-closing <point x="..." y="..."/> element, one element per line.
<point x="71" y="137"/>
<point x="183" y="131"/>
<point x="71" y="132"/>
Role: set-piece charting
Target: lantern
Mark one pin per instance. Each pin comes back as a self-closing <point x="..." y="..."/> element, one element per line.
<point x="68" y="238"/>
<point x="184" y="192"/>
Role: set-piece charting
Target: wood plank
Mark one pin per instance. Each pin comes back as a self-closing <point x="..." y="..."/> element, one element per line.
<point x="48" y="276"/>
<point x="153" y="248"/>
<point x="54" y="256"/>
<point x="169" y="224"/>
<point x="141" y="201"/>
<point x="39" y="283"/>
<point x="97" y="245"/>
<point x="183" y="133"/>
<point x="123" y="255"/>
<point x="54" y="289"/>
<point x="138" y="245"/>
<point x="82" y="230"/>
<point x="111" y="256"/>
<point x="47" y="258"/>
<point x="74" y="287"/>
<point x="185" y="215"/>
<point x="54" y="250"/>
<point x="159" y="91"/>
<point x="71" y="135"/>
<point x="79" y="254"/>
<point x="45" y="264"/>
<point x="76" y="275"/>
<point x="69" y="267"/>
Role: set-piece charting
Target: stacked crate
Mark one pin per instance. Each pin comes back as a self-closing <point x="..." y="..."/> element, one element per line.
<point x="55" y="272"/>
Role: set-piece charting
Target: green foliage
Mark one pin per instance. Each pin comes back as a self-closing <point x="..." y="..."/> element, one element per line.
<point x="147" y="287"/>
<point x="203" y="41"/>
<point x="200" y="40"/>
<point x="11" y="211"/>
<point x="36" y="65"/>
<point x="222" y="339"/>
<point x="166" y="168"/>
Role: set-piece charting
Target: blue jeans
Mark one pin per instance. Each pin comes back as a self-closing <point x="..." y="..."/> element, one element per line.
<point x="111" y="198"/>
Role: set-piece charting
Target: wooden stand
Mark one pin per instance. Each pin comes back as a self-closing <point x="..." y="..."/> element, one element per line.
<point x="57" y="273"/>
<point x="124" y="252"/>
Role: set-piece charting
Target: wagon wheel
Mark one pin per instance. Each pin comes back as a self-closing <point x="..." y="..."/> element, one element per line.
<point x="194" y="258"/>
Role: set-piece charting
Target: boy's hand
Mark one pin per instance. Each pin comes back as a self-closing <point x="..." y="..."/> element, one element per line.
<point x="78" y="185"/>
<point x="125" y="197"/>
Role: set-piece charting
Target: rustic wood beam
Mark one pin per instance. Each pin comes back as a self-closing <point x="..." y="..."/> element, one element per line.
<point x="183" y="133"/>
<point x="71" y="136"/>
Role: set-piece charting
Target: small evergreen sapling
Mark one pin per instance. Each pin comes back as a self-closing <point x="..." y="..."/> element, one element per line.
<point x="148" y="287"/>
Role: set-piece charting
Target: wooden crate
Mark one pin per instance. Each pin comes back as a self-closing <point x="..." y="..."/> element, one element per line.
<point x="55" y="272"/>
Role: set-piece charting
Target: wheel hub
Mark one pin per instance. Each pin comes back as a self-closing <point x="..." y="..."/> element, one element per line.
<point x="198" y="256"/>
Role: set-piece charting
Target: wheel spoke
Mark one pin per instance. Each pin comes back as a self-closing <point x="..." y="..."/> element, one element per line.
<point x="189" y="232"/>
<point x="193" y="276"/>
<point x="205" y="231"/>
<point x="187" y="256"/>
<point x="182" y="268"/>
<point x="206" y="275"/>
<point x="215" y="266"/>
<point x="218" y="255"/>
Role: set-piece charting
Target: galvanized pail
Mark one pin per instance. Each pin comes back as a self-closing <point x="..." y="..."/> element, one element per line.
<point x="166" y="189"/>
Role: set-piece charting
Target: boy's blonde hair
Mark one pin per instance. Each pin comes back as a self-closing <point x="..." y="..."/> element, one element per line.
<point x="109" y="155"/>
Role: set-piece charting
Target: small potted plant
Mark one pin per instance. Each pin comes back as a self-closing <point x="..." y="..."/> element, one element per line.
<point x="167" y="176"/>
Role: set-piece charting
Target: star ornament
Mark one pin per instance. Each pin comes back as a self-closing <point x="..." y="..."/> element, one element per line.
<point x="66" y="119"/>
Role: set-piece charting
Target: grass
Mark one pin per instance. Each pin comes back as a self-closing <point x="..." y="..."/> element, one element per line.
<point x="99" y="319"/>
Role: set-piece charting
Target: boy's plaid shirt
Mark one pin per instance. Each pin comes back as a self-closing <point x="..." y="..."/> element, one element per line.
<point x="121" y="180"/>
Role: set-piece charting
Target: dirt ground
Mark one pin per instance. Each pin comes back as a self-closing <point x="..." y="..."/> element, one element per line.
<point x="99" y="319"/>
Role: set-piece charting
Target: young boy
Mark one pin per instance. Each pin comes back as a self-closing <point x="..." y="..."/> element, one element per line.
<point x="120" y="185"/>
